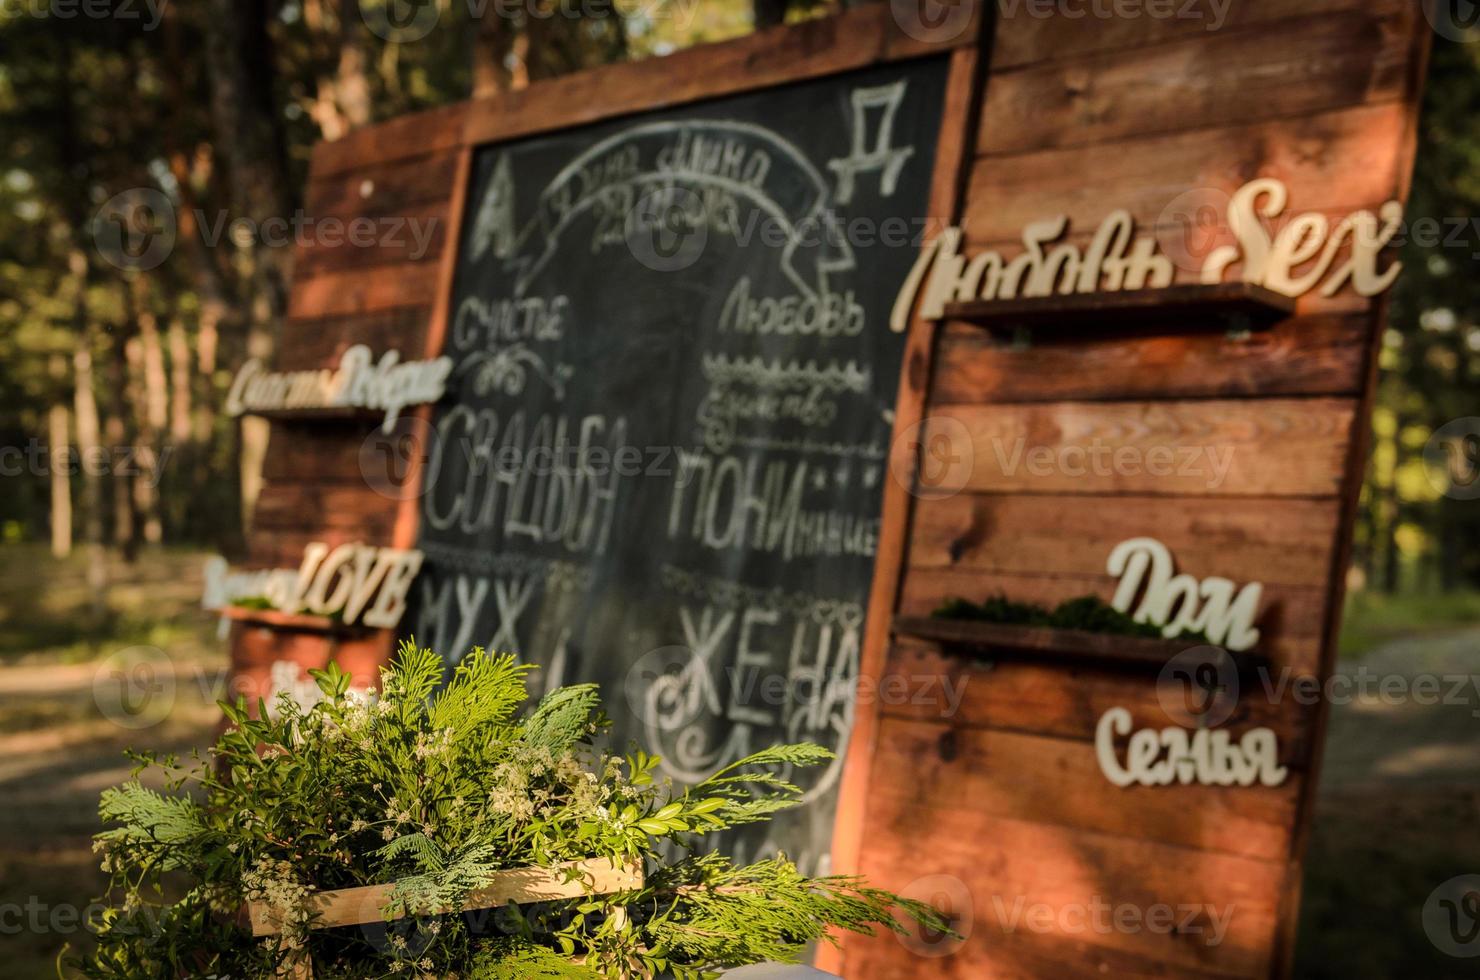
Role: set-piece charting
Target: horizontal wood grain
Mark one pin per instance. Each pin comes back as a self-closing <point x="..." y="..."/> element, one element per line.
<point x="1313" y="355"/>
<point x="1276" y="541"/>
<point x="997" y="954"/>
<point x="319" y="342"/>
<point x="1294" y="67"/>
<point x="1058" y="781"/>
<point x="1024" y="37"/>
<point x="923" y="682"/>
<point x="383" y="189"/>
<point x="318" y="454"/>
<point x="292" y="506"/>
<point x="1273" y="447"/>
<point x="373" y="290"/>
<point x="417" y="234"/>
<point x="857" y="38"/>
<point x="401" y="138"/>
<point x="1332" y="162"/>
<point x="1003" y="863"/>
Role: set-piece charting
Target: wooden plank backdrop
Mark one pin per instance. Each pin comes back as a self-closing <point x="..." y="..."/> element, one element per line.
<point x="986" y="791"/>
<point x="996" y="803"/>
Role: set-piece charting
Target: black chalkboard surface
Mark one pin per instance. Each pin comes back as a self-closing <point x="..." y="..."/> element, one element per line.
<point x="662" y="463"/>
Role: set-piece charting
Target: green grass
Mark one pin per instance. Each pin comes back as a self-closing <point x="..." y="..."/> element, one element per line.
<point x="1372" y="618"/>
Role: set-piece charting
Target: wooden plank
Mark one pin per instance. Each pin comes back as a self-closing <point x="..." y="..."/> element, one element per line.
<point x="358" y="906"/>
<point x="417" y="234"/>
<point x="1289" y="621"/>
<point x="372" y="290"/>
<point x="1058" y="782"/>
<point x="344" y="508"/>
<point x="317" y="454"/>
<point x="1333" y="162"/>
<point x="414" y="135"/>
<point x="1317" y="355"/>
<point x="1287" y="68"/>
<point x="388" y="188"/>
<point x="857" y="38"/>
<point x="1272" y="447"/>
<point x="999" y="954"/>
<point x="1025" y="37"/>
<point x="925" y="683"/>
<point x="1003" y="865"/>
<point x="321" y="341"/>
<point x="1275" y="541"/>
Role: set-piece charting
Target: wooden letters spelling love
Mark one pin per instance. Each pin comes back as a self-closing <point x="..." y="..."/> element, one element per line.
<point x="358" y="382"/>
<point x="357" y="582"/>
<point x="1118" y="259"/>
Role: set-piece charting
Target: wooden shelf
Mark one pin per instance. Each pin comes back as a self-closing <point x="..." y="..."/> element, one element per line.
<point x="1221" y="306"/>
<point x="336" y="413"/>
<point x="1002" y="641"/>
<point x="277" y="619"/>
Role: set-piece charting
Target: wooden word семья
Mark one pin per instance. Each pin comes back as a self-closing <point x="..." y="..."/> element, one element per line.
<point x="1175" y="755"/>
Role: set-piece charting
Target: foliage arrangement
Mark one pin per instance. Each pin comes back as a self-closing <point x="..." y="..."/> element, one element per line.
<point x="436" y="790"/>
<point x="1087" y="612"/>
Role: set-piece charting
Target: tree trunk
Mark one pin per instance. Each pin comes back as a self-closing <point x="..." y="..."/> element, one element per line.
<point x="59" y="424"/>
<point x="352" y="85"/>
<point x="152" y="385"/>
<point x="120" y="433"/>
<point x="249" y="131"/>
<point x="492" y="43"/>
<point x="85" y="406"/>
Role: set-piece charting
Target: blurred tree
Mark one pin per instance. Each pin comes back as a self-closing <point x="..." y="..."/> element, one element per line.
<point x="1415" y="530"/>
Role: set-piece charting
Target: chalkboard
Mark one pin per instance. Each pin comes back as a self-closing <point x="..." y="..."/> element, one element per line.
<point x="661" y="463"/>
